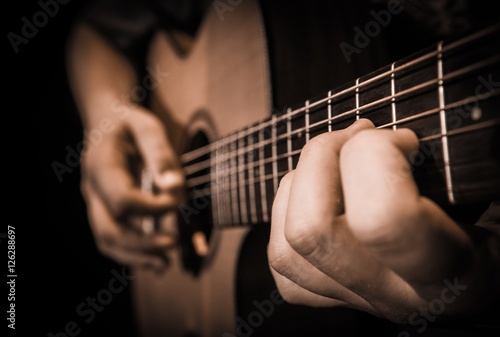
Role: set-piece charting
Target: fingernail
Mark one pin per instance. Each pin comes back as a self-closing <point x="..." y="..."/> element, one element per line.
<point x="362" y="122"/>
<point x="170" y="179"/>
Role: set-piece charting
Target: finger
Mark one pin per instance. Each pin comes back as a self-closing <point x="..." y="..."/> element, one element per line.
<point x="132" y="250"/>
<point x="297" y="279"/>
<point x="156" y="151"/>
<point x="109" y="175"/>
<point x="295" y="294"/>
<point x="316" y="228"/>
<point x="134" y="259"/>
<point x="316" y="199"/>
<point x="124" y="246"/>
<point x="405" y="231"/>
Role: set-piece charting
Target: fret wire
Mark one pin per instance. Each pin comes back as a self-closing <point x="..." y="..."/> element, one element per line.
<point x="251" y="178"/>
<point x="289" y="139"/>
<point x="214" y="186"/>
<point x="357" y="98"/>
<point x="220" y="195"/>
<point x="234" y="181"/>
<point x="262" y="172"/>
<point x="241" y="177"/>
<point x="329" y="112"/>
<point x="225" y="187"/>
<point x="206" y="149"/>
<point x="220" y="201"/>
<point x="462" y="130"/>
<point x="442" y="119"/>
<point x="393" y="100"/>
<point x="274" y="154"/>
<point x="218" y="187"/>
<point x="233" y="176"/>
<point x="306" y="120"/>
<point x="226" y="184"/>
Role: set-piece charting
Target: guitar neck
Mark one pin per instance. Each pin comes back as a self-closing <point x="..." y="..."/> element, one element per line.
<point x="447" y="94"/>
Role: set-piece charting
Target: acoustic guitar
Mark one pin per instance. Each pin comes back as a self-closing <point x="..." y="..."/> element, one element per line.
<point x="216" y="104"/>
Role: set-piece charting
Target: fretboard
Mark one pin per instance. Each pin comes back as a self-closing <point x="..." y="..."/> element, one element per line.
<point x="448" y="94"/>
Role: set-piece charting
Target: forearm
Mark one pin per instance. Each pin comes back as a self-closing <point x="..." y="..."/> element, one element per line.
<point x="100" y="77"/>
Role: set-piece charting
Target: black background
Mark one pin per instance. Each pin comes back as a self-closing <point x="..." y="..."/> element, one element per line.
<point x="57" y="263"/>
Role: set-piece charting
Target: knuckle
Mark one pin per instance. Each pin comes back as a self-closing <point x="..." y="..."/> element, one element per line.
<point x="305" y="239"/>
<point x="278" y="259"/>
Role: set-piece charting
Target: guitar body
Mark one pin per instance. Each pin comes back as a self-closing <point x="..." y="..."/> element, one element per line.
<point x="220" y="86"/>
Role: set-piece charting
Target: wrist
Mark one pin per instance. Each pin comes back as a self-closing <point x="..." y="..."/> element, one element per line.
<point x="107" y="114"/>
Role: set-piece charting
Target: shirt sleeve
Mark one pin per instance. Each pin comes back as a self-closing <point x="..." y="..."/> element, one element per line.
<point x="129" y="25"/>
<point x="126" y="25"/>
<point x="490" y="219"/>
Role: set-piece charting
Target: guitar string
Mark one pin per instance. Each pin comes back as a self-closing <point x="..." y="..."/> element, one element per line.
<point x="194" y="168"/>
<point x="388" y="99"/>
<point x="206" y="191"/>
<point x="187" y="157"/>
<point x="204" y="179"/>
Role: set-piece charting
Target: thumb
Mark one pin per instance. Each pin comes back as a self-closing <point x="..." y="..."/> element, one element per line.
<point x="158" y="154"/>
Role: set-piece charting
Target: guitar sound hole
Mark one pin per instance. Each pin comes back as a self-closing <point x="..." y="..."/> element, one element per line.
<point x="195" y="214"/>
